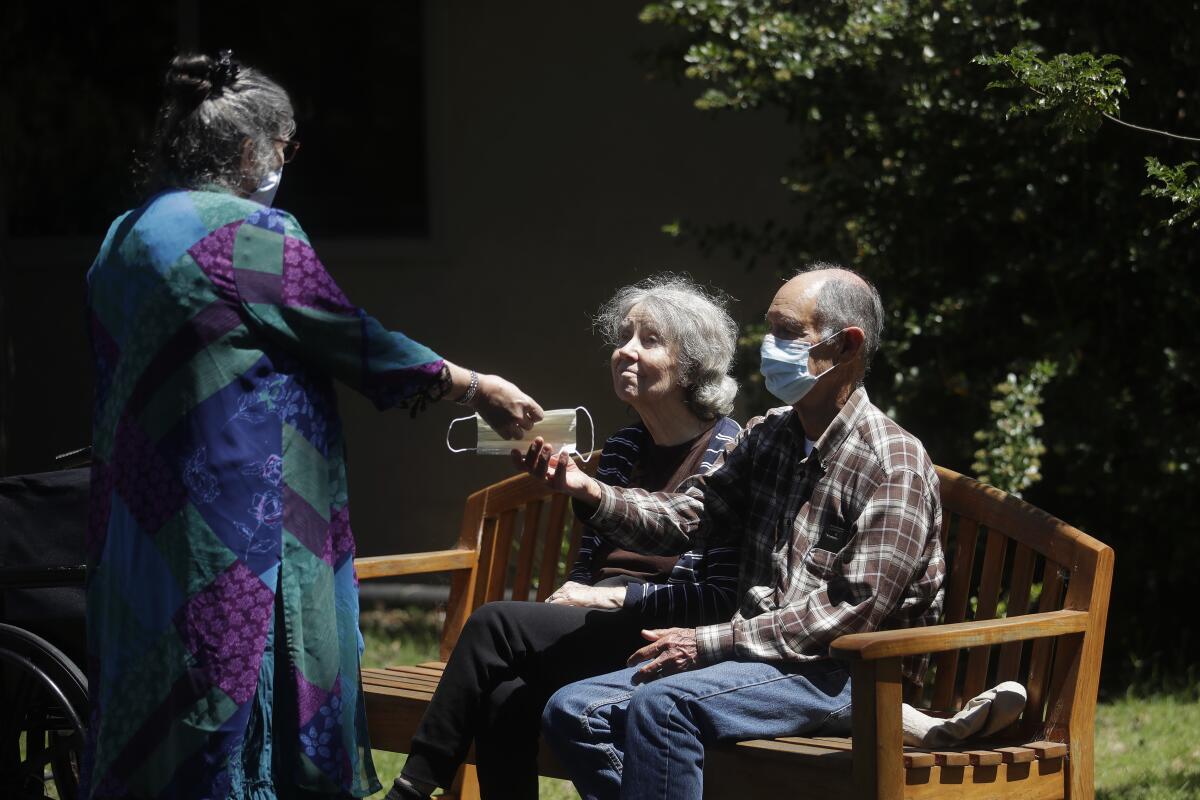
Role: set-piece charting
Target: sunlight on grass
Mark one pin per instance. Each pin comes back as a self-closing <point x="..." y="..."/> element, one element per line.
<point x="1148" y="748"/>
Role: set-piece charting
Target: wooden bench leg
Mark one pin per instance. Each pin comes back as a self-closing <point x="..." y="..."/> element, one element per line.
<point x="466" y="784"/>
<point x="876" y="697"/>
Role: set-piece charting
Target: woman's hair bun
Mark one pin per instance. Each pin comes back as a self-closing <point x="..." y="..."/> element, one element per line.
<point x="194" y="76"/>
<point x="188" y="77"/>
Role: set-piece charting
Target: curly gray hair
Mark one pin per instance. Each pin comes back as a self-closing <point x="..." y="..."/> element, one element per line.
<point x="699" y="327"/>
<point x="212" y="107"/>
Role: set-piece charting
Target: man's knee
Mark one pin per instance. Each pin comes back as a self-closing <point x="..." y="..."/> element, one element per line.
<point x="656" y="704"/>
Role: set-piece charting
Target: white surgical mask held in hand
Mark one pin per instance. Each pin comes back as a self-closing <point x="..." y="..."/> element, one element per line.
<point x="785" y="367"/>
<point x="557" y="428"/>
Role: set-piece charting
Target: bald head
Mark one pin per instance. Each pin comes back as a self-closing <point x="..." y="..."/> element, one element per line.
<point x="835" y="298"/>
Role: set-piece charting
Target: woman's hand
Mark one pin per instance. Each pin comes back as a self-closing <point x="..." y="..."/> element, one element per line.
<point x="509" y="411"/>
<point x="573" y="593"/>
<point x="558" y="470"/>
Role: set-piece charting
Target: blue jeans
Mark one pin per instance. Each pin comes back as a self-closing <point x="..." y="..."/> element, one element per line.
<point x="617" y="739"/>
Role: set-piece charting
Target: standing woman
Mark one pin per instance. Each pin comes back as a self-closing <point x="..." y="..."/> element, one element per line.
<point x="222" y="602"/>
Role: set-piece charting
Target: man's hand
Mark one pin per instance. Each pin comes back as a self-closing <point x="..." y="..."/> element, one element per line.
<point x="558" y="470"/>
<point x="572" y="593"/>
<point x="670" y="650"/>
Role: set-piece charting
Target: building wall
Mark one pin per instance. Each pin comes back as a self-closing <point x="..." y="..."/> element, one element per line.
<point x="553" y="163"/>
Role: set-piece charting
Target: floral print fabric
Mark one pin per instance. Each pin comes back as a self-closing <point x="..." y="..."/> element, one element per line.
<point x="219" y="508"/>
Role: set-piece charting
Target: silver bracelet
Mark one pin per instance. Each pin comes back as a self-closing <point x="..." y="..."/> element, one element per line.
<point x="466" y="399"/>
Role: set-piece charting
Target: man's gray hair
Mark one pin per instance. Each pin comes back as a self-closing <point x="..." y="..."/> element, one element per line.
<point x="696" y="323"/>
<point x="847" y="299"/>
<point x="212" y="107"/>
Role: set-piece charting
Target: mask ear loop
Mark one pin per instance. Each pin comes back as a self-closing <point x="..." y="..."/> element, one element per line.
<point x="454" y="422"/>
<point x="592" y="428"/>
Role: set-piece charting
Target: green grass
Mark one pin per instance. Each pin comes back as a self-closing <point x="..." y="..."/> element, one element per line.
<point x="1147" y="748"/>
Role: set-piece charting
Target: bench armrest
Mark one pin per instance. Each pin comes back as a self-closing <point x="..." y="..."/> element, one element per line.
<point x="414" y="563"/>
<point x="938" y="638"/>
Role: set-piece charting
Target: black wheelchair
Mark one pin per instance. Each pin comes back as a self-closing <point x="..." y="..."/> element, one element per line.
<point x="43" y="687"/>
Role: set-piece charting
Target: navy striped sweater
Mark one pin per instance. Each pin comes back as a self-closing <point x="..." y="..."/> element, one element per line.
<point x="702" y="586"/>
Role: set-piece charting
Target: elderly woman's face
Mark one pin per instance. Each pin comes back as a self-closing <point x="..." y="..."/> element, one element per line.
<point x="643" y="366"/>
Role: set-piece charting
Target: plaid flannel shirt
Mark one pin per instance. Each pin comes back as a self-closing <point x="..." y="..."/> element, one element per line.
<point x="840" y="541"/>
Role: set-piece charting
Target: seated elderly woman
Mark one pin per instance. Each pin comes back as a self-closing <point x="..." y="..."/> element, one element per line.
<point x="673" y="346"/>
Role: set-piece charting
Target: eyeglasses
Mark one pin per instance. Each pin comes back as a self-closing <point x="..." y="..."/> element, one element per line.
<point x="290" y="148"/>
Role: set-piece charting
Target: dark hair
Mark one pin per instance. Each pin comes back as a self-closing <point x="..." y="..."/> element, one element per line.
<point x="212" y="106"/>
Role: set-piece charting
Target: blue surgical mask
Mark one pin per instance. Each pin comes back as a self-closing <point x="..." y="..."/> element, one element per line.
<point x="265" y="193"/>
<point x="785" y="367"/>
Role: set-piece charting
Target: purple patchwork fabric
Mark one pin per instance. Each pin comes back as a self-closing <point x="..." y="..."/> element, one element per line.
<point x="222" y="625"/>
<point x="305" y="281"/>
<point x="214" y="254"/>
<point x="341" y="539"/>
<point x="302" y="521"/>
<point x="224" y="458"/>
<point x="270" y="219"/>
<point x="320" y="731"/>
<point x="144" y="479"/>
<point x="309" y="697"/>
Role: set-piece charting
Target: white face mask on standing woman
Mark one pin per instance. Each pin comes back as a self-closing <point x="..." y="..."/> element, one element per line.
<point x="265" y="193"/>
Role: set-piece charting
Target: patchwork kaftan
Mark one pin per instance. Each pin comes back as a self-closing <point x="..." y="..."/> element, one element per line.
<point x="219" y="514"/>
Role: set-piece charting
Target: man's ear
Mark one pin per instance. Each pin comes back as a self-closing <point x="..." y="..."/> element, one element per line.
<point x="852" y="343"/>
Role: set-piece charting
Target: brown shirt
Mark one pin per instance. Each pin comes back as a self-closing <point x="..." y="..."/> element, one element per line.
<point x="660" y="468"/>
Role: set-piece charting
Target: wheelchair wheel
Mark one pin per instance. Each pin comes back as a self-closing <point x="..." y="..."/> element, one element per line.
<point x="44" y="700"/>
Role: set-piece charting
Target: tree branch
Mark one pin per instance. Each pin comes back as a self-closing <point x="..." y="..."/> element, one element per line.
<point x="1168" y="134"/>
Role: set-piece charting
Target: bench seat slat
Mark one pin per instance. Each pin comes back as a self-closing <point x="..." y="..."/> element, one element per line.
<point x="1017" y="755"/>
<point x="1048" y="750"/>
<point x="984" y="758"/>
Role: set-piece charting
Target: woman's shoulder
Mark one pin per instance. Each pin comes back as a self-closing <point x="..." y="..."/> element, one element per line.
<point x="210" y="209"/>
<point x="629" y="436"/>
<point x="620" y="453"/>
<point x="726" y="429"/>
<point x="724" y="435"/>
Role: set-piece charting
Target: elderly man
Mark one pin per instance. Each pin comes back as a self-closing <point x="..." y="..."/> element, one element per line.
<point x="837" y="511"/>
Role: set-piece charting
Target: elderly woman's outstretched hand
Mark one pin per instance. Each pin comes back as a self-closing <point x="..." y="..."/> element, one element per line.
<point x="558" y="470"/>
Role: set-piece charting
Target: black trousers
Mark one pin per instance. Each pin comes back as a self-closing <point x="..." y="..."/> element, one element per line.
<point x="510" y="658"/>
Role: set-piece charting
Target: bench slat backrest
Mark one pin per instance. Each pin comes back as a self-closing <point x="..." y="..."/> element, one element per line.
<point x="1005" y="558"/>
<point x="526" y="538"/>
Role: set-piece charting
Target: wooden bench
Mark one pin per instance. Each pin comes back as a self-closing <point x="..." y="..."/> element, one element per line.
<point x="1026" y="600"/>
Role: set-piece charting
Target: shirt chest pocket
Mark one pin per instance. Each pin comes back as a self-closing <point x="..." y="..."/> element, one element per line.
<point x="822" y="564"/>
<point x="828" y="556"/>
